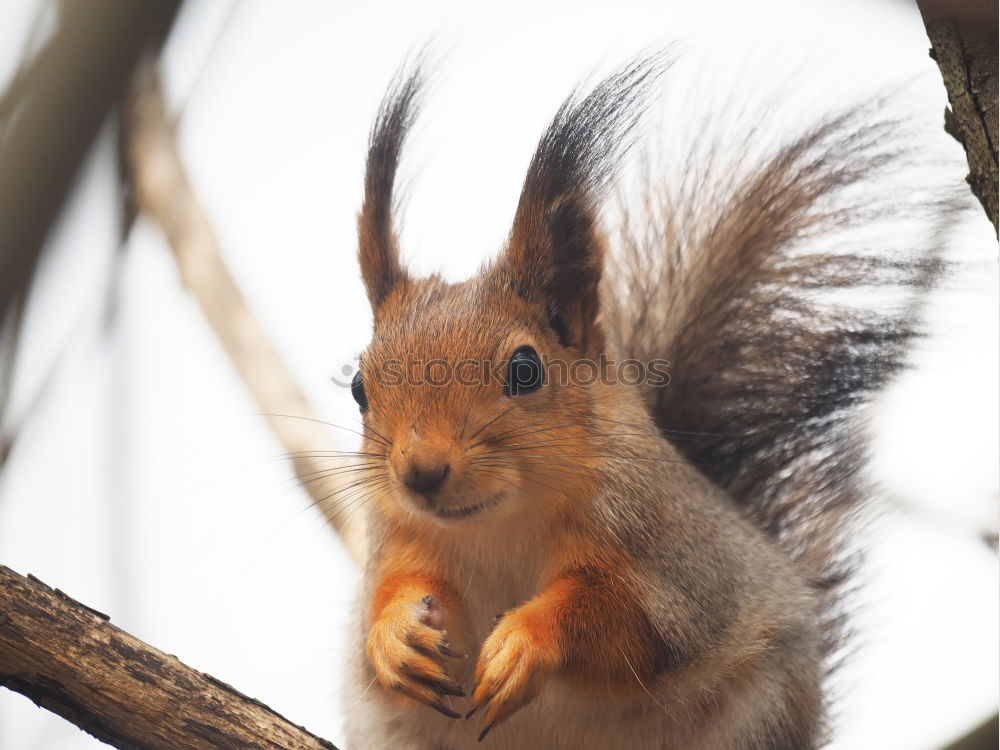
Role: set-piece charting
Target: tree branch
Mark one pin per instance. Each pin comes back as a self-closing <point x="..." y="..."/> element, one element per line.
<point x="963" y="35"/>
<point x="52" y="113"/>
<point x="70" y="659"/>
<point x="983" y="737"/>
<point x="163" y="191"/>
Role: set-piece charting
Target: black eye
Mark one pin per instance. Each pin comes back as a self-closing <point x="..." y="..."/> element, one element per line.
<point x="358" y="391"/>
<point x="524" y="372"/>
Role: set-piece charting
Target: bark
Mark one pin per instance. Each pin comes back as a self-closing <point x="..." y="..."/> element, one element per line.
<point x="963" y="35"/>
<point x="70" y="659"/>
<point x="163" y="191"/>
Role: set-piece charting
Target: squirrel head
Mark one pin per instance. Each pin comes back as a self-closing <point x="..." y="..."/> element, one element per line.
<point x="469" y="393"/>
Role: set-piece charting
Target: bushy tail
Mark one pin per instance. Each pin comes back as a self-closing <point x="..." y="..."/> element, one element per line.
<point x="751" y="282"/>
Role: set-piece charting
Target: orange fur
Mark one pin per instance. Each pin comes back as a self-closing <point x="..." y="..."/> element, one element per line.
<point x="664" y="568"/>
<point x="408" y="639"/>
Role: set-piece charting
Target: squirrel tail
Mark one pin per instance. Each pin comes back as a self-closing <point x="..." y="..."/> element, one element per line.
<point x="748" y="281"/>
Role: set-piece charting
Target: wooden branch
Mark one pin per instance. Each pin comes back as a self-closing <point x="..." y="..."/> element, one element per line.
<point x="963" y="35"/>
<point x="164" y="192"/>
<point x="53" y="111"/>
<point x="983" y="737"/>
<point x="70" y="659"/>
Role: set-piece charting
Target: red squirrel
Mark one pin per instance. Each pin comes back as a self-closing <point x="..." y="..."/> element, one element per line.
<point x="583" y="562"/>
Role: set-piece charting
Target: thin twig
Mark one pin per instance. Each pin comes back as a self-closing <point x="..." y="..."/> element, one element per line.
<point x="163" y="191"/>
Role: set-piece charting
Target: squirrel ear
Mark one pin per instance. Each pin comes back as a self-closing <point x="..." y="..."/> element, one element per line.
<point x="554" y="259"/>
<point x="378" y="246"/>
<point x="555" y="249"/>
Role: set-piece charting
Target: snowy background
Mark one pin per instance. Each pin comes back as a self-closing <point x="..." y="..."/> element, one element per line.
<point x="146" y="484"/>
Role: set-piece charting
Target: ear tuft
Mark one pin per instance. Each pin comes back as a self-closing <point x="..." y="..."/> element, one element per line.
<point x="378" y="247"/>
<point x="555" y="249"/>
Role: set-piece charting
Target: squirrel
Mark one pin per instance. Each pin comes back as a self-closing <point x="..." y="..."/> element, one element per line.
<point x="569" y="562"/>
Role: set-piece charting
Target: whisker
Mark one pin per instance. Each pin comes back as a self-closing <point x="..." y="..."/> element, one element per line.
<point x="507" y="433"/>
<point x="352" y="498"/>
<point x="492" y="421"/>
<point x="556" y="490"/>
<point x="641" y="684"/>
<point x="465" y="419"/>
<point x="323" y="422"/>
<point x="385" y="441"/>
<point x="561" y="441"/>
<point x="317" y="476"/>
<point x="313" y="504"/>
<point x="338" y="465"/>
<point x="330" y="454"/>
<point x="569" y="470"/>
<point x="604" y="455"/>
<point x="383" y="488"/>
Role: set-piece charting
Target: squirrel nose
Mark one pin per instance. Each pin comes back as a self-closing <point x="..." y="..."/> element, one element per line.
<point x="425" y="478"/>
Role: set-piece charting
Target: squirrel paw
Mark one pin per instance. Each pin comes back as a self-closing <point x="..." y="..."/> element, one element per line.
<point x="406" y="648"/>
<point x="514" y="663"/>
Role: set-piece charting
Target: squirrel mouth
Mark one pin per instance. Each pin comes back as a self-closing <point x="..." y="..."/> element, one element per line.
<point x="468" y="510"/>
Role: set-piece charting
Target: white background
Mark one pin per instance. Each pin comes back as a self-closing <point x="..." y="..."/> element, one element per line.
<point x="146" y="485"/>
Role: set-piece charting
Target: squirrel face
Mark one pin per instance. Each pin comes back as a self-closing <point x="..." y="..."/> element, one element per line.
<point x="459" y="406"/>
<point x="460" y="450"/>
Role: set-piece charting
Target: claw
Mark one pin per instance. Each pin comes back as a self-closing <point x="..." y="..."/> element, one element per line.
<point x="451" y="652"/>
<point x="452" y="688"/>
<point x="486" y="730"/>
<point x="446" y="711"/>
<point x="444" y="686"/>
<point x="479" y="703"/>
